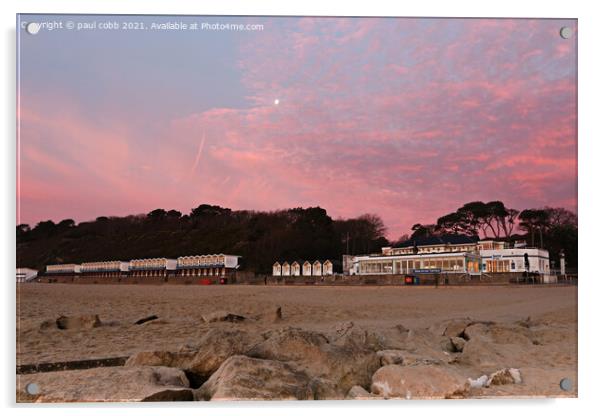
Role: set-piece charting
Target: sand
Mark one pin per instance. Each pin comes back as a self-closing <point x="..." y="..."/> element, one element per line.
<point x="180" y="310"/>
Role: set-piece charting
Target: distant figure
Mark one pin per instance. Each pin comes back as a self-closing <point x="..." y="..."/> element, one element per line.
<point x="265" y="280"/>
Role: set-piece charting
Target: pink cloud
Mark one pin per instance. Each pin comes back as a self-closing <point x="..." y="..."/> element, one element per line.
<point x="410" y="129"/>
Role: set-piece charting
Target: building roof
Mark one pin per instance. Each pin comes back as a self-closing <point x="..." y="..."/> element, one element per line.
<point x="438" y="240"/>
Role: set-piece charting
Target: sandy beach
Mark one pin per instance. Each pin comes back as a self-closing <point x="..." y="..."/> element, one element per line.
<point x="532" y="329"/>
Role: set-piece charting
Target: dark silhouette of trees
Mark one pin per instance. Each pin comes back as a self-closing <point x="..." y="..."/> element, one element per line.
<point x="491" y="219"/>
<point x="364" y="234"/>
<point x="157" y="215"/>
<point x="174" y="214"/>
<point x="260" y="237"/>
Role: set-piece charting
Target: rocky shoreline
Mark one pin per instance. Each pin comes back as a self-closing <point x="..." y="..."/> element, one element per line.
<point x="456" y="358"/>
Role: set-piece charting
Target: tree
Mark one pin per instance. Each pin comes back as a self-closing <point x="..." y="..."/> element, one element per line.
<point x="479" y="218"/>
<point x="174" y="214"/>
<point x="423" y="231"/>
<point x="65" y="224"/>
<point x="560" y="216"/>
<point x="361" y="235"/>
<point x="45" y="228"/>
<point x="534" y="220"/>
<point x="157" y="215"/>
<point x="206" y="210"/>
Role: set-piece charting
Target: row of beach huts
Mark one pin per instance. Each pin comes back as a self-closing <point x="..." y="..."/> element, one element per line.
<point x="211" y="265"/>
<point x="303" y="268"/>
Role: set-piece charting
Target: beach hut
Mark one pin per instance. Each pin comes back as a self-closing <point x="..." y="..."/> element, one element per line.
<point x="286" y="269"/>
<point x="306" y="268"/>
<point x="295" y="268"/>
<point x="316" y="269"/>
<point x="327" y="268"/>
<point x="277" y="269"/>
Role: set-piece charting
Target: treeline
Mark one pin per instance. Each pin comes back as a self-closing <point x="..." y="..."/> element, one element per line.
<point x="554" y="229"/>
<point x="260" y="237"/>
<point x="263" y="237"/>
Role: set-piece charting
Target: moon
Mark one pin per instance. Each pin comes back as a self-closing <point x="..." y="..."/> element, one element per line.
<point x="276" y="101"/>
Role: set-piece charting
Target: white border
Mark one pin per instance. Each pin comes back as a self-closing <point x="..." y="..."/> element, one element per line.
<point x="590" y="137"/>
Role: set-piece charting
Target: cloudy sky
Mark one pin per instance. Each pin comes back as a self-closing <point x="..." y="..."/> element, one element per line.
<point x="405" y="118"/>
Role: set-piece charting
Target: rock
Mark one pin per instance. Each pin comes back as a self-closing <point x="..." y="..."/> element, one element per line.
<point x="456" y="327"/>
<point x="492" y="346"/>
<point x="348" y="334"/>
<point x="451" y="328"/>
<point x="477" y="330"/>
<point x="447" y="345"/>
<point x="481" y="354"/>
<point x="244" y="378"/>
<point x="505" y="376"/>
<point x="458" y="343"/>
<point x="221" y="316"/>
<point x="48" y="324"/>
<point x="342" y="328"/>
<point x="418" y="382"/>
<point x="146" y="319"/>
<point x="426" y="346"/>
<point x="324" y="389"/>
<point x="78" y="322"/>
<point x="499" y="333"/>
<point x="278" y="314"/>
<point x="388" y="357"/>
<point x="215" y="347"/>
<point x="108" y="384"/>
<point x="159" y="358"/>
<point x="479" y="382"/>
<point x="345" y="363"/>
<point x="359" y="393"/>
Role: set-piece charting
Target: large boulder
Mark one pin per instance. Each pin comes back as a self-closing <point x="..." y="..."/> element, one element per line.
<point x="346" y="363"/>
<point x="107" y="384"/>
<point x="245" y="378"/>
<point x="482" y="355"/>
<point x="491" y="346"/>
<point x="215" y="347"/>
<point x="418" y="382"/>
<point x="499" y="333"/>
<point x="78" y="322"/>
<point x="451" y="327"/>
<point x="421" y="345"/>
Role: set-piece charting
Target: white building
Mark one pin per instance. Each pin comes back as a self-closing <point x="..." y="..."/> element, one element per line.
<point x="152" y="267"/>
<point x="327" y="268"/>
<point x="449" y="254"/>
<point x="316" y="268"/>
<point x="306" y="268"/>
<point x="207" y="265"/>
<point x="63" y="269"/>
<point x="277" y="269"/>
<point x="25" y="274"/>
<point x="295" y="268"/>
<point x="110" y="268"/>
<point x="513" y="260"/>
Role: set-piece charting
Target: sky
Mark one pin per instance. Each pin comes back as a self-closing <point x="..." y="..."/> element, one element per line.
<point x="405" y="118"/>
